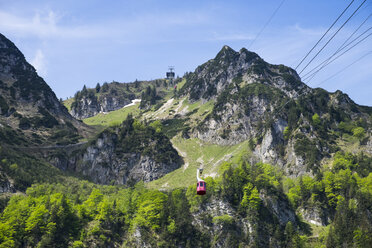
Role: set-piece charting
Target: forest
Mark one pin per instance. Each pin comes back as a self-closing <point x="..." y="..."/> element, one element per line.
<point x="78" y="213"/>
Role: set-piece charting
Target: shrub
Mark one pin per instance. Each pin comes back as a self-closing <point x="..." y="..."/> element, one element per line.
<point x="316" y="120"/>
<point x="24" y="123"/>
<point x="359" y="132"/>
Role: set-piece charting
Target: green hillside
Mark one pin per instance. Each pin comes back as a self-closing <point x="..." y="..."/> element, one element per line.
<point x="198" y="154"/>
<point x="112" y="118"/>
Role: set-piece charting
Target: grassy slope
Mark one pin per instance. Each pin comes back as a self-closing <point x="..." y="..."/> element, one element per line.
<point x="197" y="154"/>
<point x="113" y="117"/>
<point x="172" y="107"/>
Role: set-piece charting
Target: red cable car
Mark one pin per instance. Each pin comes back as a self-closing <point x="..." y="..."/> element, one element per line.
<point x="201" y="186"/>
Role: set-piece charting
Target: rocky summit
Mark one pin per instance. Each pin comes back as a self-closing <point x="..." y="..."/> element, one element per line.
<point x="285" y="165"/>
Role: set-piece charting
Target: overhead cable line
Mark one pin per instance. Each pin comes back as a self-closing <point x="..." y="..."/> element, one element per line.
<point x="346" y="67"/>
<point x="259" y="33"/>
<point x="326" y="62"/>
<point x="313" y="75"/>
<point x="267" y="23"/>
<point x="280" y="108"/>
<point x="324" y="34"/>
<point x="343" y="46"/>
<point x="304" y="92"/>
<point x="276" y="112"/>
<point x="333" y="36"/>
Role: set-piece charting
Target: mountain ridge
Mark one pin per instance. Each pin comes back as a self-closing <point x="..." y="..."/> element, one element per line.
<point x="229" y="66"/>
<point x="265" y="104"/>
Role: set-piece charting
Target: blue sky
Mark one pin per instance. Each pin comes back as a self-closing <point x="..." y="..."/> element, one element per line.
<point x="72" y="43"/>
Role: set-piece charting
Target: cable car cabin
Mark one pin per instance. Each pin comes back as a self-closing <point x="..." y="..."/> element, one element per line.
<point x="201" y="188"/>
<point x="170" y="75"/>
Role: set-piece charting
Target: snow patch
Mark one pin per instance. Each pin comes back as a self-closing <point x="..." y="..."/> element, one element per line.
<point x="134" y="102"/>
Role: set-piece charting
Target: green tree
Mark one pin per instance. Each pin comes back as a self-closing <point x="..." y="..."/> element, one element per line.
<point x="36" y="223"/>
<point x="254" y="199"/>
<point x="98" y="88"/>
<point x="90" y="206"/>
<point x="286" y="133"/>
<point x="316" y="119"/>
<point x="150" y="209"/>
<point x="84" y="90"/>
<point x="6" y="235"/>
<point x="359" y="133"/>
<point x="105" y="87"/>
<point x="157" y="126"/>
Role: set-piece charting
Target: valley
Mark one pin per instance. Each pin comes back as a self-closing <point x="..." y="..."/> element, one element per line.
<point x="286" y="165"/>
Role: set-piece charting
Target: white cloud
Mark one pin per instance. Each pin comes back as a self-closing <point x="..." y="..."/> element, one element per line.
<point x="44" y="25"/>
<point x="309" y="31"/>
<point x="39" y="63"/>
<point x="49" y="24"/>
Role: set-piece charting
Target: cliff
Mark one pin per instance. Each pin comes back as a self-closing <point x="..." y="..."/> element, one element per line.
<point x="126" y="154"/>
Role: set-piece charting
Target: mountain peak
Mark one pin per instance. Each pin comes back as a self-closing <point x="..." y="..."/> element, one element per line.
<point x="13" y="64"/>
<point x="226" y="47"/>
<point x="232" y="67"/>
<point x="6" y="43"/>
<point x="226" y="51"/>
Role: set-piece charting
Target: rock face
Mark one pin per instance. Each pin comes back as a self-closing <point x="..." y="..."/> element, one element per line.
<point x="230" y="67"/>
<point x="5" y="185"/>
<point x="105" y="161"/>
<point x="247" y="90"/>
<point x="315" y="215"/>
<point x="90" y="105"/>
<point x="104" y="165"/>
<point x="280" y="208"/>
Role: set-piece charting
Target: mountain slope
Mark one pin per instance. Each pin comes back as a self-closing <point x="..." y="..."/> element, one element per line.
<point x="31" y="117"/>
<point x="28" y="106"/>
